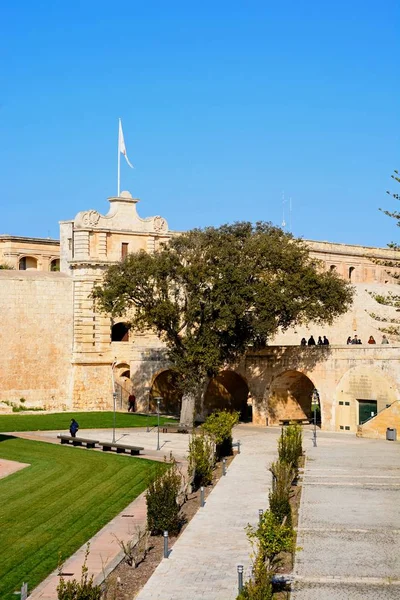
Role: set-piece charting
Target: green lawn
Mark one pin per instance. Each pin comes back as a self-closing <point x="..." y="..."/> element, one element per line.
<point x="61" y="421"/>
<point x="57" y="504"/>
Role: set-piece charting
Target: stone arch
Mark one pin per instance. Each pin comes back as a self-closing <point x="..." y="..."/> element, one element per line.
<point x="360" y="387"/>
<point x="229" y="391"/>
<point x="289" y="397"/>
<point x="120" y="332"/>
<point x="54" y="264"/>
<point x="28" y="263"/>
<point x="351" y="273"/>
<point x="165" y="386"/>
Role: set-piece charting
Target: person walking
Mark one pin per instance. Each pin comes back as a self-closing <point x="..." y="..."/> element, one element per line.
<point x="73" y="428"/>
<point x="131" y="402"/>
<point x="325" y="341"/>
<point x="371" y="340"/>
<point x="320" y="342"/>
<point x="384" y="340"/>
<point x="311" y="341"/>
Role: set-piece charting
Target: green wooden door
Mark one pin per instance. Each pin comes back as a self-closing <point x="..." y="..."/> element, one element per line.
<point x="366" y="410"/>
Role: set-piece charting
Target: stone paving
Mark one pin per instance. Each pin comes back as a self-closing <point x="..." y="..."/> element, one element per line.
<point x="8" y="467"/>
<point x="349" y="527"/>
<point x="203" y="562"/>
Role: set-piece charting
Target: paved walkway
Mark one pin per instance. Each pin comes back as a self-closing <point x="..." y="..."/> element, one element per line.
<point x="349" y="528"/>
<point x="203" y="562"/>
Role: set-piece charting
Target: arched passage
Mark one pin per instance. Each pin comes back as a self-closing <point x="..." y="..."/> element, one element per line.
<point x="290" y="397"/>
<point x="362" y="393"/>
<point x="28" y="263"/>
<point x="228" y="391"/>
<point x="120" y="332"/>
<point x="165" y="386"/>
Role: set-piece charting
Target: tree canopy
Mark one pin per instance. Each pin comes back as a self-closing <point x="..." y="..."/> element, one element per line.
<point x="209" y="294"/>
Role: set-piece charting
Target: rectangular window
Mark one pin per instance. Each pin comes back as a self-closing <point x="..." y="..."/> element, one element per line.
<point x="341" y="427"/>
<point x="347" y="428"/>
<point x="340" y="403"/>
<point x="347" y="403"/>
<point x="124" y="250"/>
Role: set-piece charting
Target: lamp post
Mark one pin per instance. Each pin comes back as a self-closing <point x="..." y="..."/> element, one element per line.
<point x="114" y="393"/>
<point x="147" y="391"/>
<point x="158" y="400"/>
<point x="314" y="405"/>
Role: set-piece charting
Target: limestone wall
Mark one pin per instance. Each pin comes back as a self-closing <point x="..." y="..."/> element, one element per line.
<point x="35" y="338"/>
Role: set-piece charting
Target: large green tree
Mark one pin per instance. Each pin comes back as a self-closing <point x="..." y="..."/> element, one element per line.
<point x="211" y="293"/>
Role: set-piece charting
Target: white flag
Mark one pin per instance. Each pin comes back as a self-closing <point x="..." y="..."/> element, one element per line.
<point x="121" y="144"/>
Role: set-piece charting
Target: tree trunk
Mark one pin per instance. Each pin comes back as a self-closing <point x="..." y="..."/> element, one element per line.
<point x="187" y="409"/>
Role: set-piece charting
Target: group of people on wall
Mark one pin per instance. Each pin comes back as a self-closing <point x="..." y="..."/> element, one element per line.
<point x="323" y="341"/>
<point x="311" y="341"/>
<point x="371" y="340"/>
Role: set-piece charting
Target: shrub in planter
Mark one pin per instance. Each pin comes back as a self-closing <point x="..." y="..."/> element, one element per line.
<point x="201" y="460"/>
<point x="260" y="586"/>
<point x="219" y="426"/>
<point x="290" y="445"/>
<point x="271" y="538"/>
<point x="279" y="504"/>
<point x="79" y="590"/>
<point x="162" y="501"/>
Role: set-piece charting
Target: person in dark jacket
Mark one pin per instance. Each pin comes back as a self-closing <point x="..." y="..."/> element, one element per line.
<point x="303" y="342"/>
<point x="311" y="341"/>
<point x="320" y="342"/>
<point x="131" y="402"/>
<point x="73" y="428"/>
<point x="325" y="341"/>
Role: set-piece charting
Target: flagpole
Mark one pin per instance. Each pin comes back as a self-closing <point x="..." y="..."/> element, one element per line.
<point x="119" y="159"/>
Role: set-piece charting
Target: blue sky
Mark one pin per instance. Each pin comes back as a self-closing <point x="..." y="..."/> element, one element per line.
<point x="224" y="106"/>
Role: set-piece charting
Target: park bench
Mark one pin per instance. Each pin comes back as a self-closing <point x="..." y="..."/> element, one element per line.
<point x="176" y="428"/>
<point x="291" y="421"/>
<point x="120" y="448"/>
<point x="77" y="441"/>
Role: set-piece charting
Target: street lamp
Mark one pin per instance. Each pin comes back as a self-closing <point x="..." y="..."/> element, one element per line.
<point x="114" y="393"/>
<point x="147" y="391"/>
<point x="158" y="400"/>
<point x="315" y="402"/>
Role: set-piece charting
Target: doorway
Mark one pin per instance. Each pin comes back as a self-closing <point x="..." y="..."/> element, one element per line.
<point x="366" y="410"/>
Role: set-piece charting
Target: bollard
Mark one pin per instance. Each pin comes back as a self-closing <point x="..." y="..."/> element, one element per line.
<point x="224" y="466"/>
<point x="240" y="578"/>
<point x="165" y="544"/>
<point x="238" y="446"/>
<point x="260" y="514"/>
<point x="201" y="496"/>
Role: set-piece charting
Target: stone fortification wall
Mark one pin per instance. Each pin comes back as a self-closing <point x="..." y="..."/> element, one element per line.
<point x="36" y="338"/>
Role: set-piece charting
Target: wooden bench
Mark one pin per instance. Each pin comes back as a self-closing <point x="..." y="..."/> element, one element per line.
<point x="176" y="428"/>
<point x="120" y="448"/>
<point x="292" y="421"/>
<point x="77" y="441"/>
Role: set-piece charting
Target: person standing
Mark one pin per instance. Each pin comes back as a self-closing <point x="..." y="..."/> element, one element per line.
<point x="303" y="342"/>
<point x="349" y="340"/>
<point x="384" y="340"/>
<point x="320" y="342"/>
<point x="73" y="428"/>
<point x="132" y="402"/>
<point x="311" y="341"/>
<point x="371" y="340"/>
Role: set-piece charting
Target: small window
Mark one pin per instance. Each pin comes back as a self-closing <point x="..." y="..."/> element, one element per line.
<point x="332" y="268"/>
<point x="341" y="427"/>
<point x="340" y="403"/>
<point x="347" y="403"/>
<point x="124" y="250"/>
<point x="347" y="428"/>
<point x="351" y="271"/>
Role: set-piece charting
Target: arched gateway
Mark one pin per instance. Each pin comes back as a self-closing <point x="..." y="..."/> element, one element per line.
<point x="289" y="397"/>
<point x="229" y="391"/>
